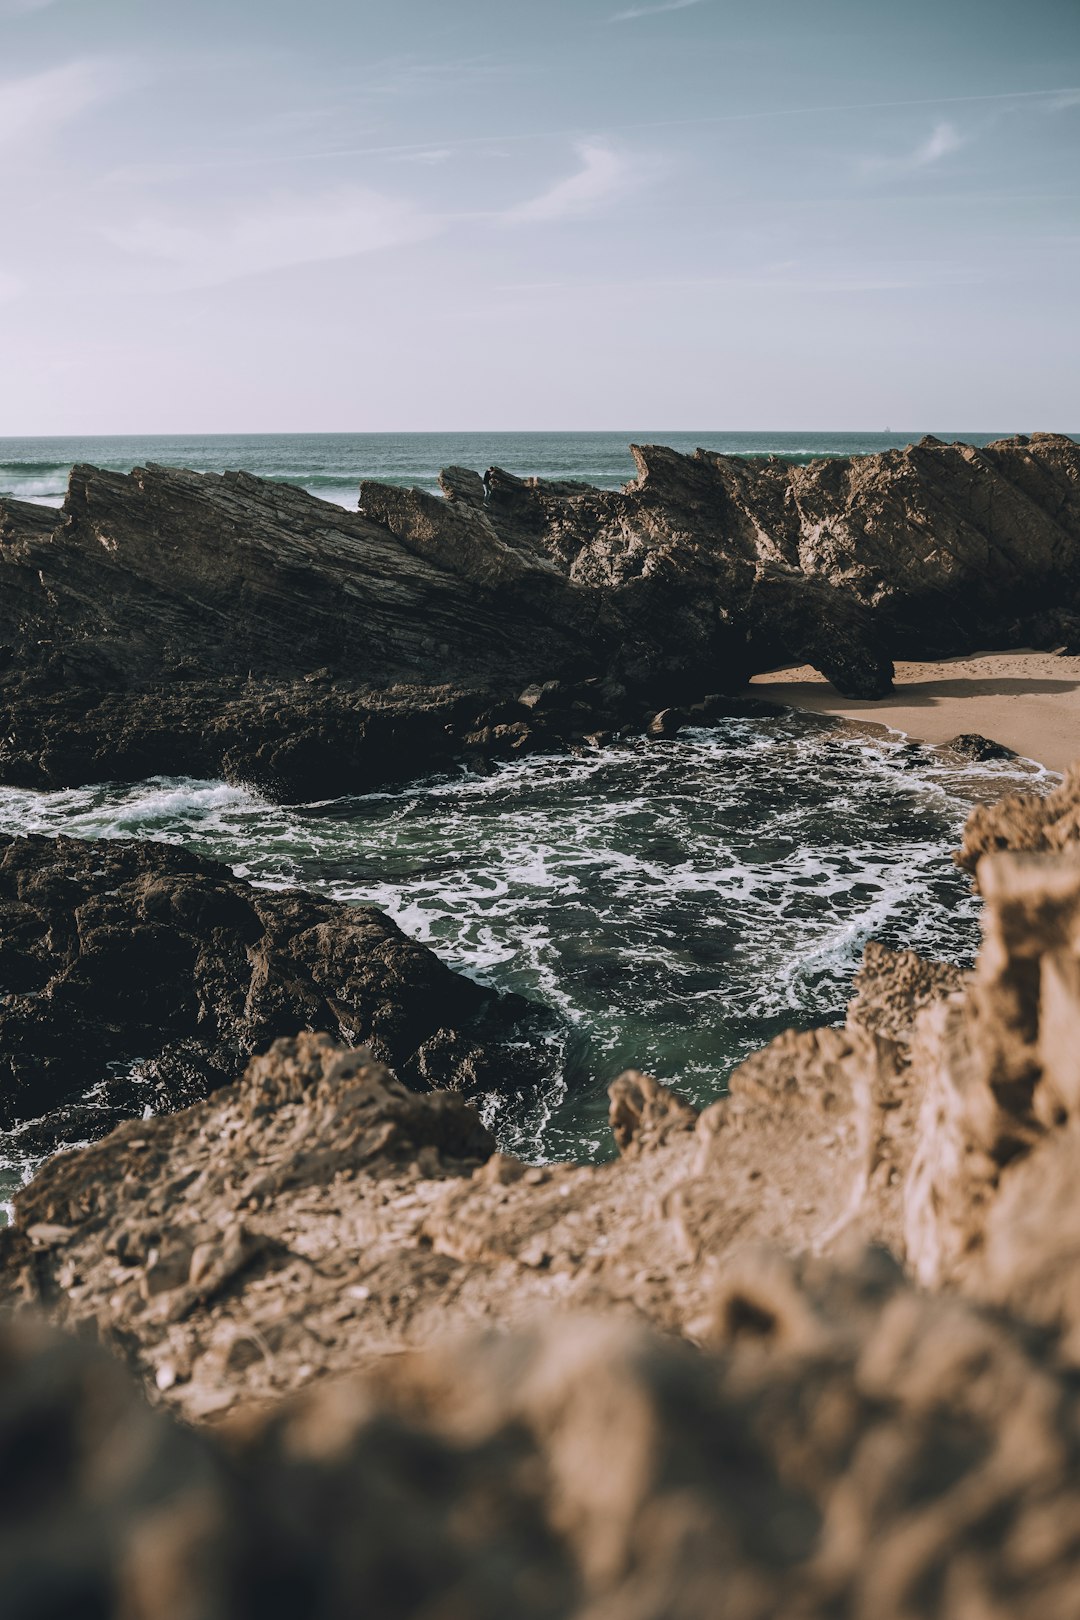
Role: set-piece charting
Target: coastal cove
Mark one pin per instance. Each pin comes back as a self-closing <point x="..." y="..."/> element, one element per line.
<point x="540" y="965"/>
<point x="664" y="904"/>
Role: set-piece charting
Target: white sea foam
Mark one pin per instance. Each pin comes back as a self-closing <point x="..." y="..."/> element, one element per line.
<point x="670" y="905"/>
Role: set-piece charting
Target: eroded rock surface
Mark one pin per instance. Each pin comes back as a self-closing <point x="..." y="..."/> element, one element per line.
<point x="116" y="953"/>
<point x="843" y="1446"/>
<point x="428" y="1379"/>
<point x="1024" y="822"/>
<point x="316" y="1215"/>
<point x="218" y="625"/>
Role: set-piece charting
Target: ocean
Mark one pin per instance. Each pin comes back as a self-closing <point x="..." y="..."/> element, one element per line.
<point x="669" y="906"/>
<point x="331" y="465"/>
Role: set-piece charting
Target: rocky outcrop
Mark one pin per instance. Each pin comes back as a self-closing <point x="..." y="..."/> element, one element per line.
<point x="212" y="625"/>
<point x="1028" y="822"/>
<point x="384" y="1220"/>
<point x="307" y="1266"/>
<point x="141" y="975"/>
<point x="844" y="1446"/>
<point x="317" y="1216"/>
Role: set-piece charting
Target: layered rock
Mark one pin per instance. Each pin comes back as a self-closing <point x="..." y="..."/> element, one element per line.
<point x="212" y="625"/>
<point x="121" y="956"/>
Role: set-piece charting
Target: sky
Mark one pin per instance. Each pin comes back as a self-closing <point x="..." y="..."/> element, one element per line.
<point x="391" y="215"/>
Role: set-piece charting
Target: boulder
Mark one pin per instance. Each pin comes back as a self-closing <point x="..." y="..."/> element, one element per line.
<point x="140" y="975"/>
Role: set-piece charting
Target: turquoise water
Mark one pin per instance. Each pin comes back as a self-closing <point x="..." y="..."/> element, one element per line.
<point x="669" y="906"/>
<point x="331" y="465"/>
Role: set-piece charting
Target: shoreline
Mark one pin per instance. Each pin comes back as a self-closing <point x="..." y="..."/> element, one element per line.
<point x="1027" y="700"/>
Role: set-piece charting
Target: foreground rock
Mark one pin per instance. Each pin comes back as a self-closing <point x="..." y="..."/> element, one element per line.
<point x="1030" y="822"/>
<point x="317" y="1216"/>
<point x="116" y="954"/>
<point x="223" y="626"/>
<point x="309" y="1264"/>
<point x="846" y="1446"/>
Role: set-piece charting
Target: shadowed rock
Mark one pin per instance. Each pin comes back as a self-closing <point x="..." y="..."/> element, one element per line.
<point x="121" y="954"/>
<point x="219" y="625"/>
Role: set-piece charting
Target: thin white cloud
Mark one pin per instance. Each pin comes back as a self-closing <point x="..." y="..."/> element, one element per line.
<point x="431" y="155"/>
<point x="22" y="8"/>
<point x="603" y="175"/>
<point x="34" y="106"/>
<point x="652" y="11"/>
<point x="943" y="140"/>
<point x="287" y="230"/>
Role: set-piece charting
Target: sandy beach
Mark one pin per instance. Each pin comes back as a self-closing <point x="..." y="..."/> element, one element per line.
<point x="1030" y="701"/>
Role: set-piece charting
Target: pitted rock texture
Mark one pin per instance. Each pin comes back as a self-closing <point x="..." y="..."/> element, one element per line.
<point x="987" y="1203"/>
<point x="121" y="953"/>
<point x="218" y="625"/>
<point x="1024" y="822"/>
<point x="318" y="1216"/>
<point x="227" y="1248"/>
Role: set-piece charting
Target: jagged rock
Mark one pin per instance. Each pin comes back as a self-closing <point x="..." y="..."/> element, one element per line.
<point x="667" y="723"/>
<point x="893" y="987"/>
<point x="116" y="954"/>
<point x="224" y="626"/>
<point x="1002" y="1095"/>
<point x="325" y="1253"/>
<point x="1024" y="822"/>
<point x="21" y="520"/>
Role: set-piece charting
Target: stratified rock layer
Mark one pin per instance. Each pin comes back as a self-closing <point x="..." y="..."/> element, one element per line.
<point x="224" y="626"/>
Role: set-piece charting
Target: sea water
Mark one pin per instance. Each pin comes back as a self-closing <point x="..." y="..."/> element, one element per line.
<point x="331" y="465"/>
<point x="664" y="905"/>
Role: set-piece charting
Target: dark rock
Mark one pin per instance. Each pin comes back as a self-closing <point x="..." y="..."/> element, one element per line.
<point x="119" y="954"/>
<point x="211" y="625"/>
<point x="541" y="695"/>
<point x="969" y="745"/>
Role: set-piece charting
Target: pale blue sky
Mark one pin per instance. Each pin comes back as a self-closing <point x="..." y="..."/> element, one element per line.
<point x="254" y="215"/>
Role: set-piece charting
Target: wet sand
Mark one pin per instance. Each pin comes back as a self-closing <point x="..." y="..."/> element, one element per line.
<point x="1030" y="701"/>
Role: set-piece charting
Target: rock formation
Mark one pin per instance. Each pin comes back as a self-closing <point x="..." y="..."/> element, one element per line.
<point x="316" y="1215"/>
<point x="810" y="1353"/>
<point x="122" y="955"/>
<point x="222" y="626"/>
<point x="311" y="1261"/>
<point x="1024" y="822"/>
